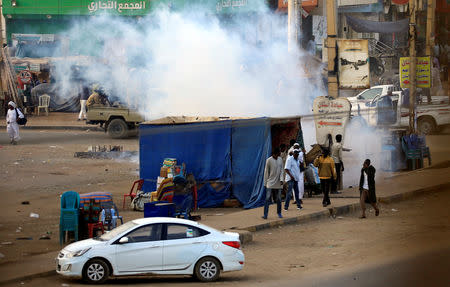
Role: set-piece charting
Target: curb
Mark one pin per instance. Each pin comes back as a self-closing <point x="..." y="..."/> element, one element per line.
<point x="346" y="209"/>
<point x="81" y="128"/>
<point x="410" y="194"/>
<point x="246" y="234"/>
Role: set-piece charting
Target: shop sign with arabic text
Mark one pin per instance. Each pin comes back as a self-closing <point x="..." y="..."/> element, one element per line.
<point x="423" y="72"/>
<point x="119" y="7"/>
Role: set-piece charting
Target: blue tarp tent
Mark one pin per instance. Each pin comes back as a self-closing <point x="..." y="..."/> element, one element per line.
<point x="226" y="157"/>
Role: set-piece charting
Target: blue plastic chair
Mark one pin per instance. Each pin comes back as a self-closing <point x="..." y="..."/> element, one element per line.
<point x="68" y="221"/>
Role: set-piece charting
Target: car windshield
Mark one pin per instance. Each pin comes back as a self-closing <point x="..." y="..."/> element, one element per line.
<point x="371" y="93"/>
<point x="116" y="231"/>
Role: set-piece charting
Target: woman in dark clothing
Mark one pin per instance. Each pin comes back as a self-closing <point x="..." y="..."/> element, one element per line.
<point x="367" y="188"/>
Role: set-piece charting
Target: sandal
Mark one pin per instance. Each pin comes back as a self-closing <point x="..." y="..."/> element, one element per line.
<point x="377" y="212"/>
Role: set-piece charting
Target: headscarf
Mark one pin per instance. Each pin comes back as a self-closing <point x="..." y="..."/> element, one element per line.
<point x="12" y="104"/>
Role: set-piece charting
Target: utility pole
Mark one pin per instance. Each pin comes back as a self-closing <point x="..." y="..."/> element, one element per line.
<point x="294" y="17"/>
<point x="412" y="65"/>
<point x="331" y="46"/>
<point x="431" y="6"/>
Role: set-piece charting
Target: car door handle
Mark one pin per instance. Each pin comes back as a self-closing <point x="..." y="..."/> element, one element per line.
<point x="197" y="242"/>
<point x="155" y="246"/>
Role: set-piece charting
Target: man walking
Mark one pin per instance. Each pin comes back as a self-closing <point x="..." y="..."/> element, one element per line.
<point x="84" y="96"/>
<point x="367" y="188"/>
<point x="12" y="127"/>
<point x="273" y="181"/>
<point x="292" y="169"/>
<point x="327" y="173"/>
<point x="336" y="155"/>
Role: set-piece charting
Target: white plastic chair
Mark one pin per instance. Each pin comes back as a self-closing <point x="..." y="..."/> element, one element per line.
<point x="44" y="102"/>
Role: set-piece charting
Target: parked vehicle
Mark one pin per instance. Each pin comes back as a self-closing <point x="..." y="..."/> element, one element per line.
<point x="157" y="245"/>
<point x="393" y="112"/>
<point x="360" y="100"/>
<point x="117" y="120"/>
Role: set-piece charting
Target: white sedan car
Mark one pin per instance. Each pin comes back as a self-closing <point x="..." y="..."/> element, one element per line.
<point x="156" y="245"/>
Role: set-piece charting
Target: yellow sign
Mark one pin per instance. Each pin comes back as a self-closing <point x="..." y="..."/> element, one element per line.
<point x="423" y="72"/>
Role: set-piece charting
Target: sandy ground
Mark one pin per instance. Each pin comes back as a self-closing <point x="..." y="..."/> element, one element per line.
<point x="43" y="166"/>
<point x="335" y="250"/>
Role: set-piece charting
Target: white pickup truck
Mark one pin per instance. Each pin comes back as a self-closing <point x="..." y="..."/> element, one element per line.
<point x="393" y="112"/>
<point x="360" y="100"/>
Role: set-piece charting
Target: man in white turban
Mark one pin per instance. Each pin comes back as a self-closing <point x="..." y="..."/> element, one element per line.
<point x="12" y="127"/>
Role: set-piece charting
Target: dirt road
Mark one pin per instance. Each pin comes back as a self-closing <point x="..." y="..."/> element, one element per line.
<point x="389" y="250"/>
<point x="39" y="170"/>
<point x="43" y="166"/>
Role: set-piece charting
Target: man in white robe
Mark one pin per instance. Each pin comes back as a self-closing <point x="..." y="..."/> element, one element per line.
<point x="12" y="127"/>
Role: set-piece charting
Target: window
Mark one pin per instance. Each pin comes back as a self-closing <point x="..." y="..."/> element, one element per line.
<point x="371" y="93"/>
<point x="146" y="233"/>
<point x="179" y="231"/>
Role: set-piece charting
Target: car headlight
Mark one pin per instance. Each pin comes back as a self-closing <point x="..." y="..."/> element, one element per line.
<point x="77" y="253"/>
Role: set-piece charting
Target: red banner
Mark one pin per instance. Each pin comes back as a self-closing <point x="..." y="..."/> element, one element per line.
<point x="400" y="2"/>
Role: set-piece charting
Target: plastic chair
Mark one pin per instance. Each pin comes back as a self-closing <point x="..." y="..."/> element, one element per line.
<point x="68" y="221"/>
<point x="132" y="193"/>
<point x="96" y="225"/>
<point x="44" y="102"/>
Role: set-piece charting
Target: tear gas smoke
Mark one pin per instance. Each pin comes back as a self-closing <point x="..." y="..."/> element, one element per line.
<point x="186" y="63"/>
<point x="192" y="64"/>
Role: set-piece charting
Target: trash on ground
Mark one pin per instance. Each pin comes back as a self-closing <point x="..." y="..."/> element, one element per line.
<point x="34" y="215"/>
<point x="340" y="217"/>
<point x="25" y="202"/>
<point x="393" y="209"/>
<point x="24" y="238"/>
<point x="44" y="237"/>
<point x="2" y="255"/>
<point x="6" y="243"/>
<point x="53" y="146"/>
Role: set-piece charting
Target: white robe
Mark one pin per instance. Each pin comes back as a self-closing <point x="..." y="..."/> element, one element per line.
<point x="12" y="127"/>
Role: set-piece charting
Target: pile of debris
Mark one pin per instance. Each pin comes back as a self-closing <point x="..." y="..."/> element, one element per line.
<point x="104" y="152"/>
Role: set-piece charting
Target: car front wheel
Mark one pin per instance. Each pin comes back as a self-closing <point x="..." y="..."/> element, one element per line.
<point x="207" y="269"/>
<point x="95" y="271"/>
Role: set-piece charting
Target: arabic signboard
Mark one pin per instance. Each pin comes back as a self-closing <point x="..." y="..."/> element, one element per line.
<point x="47" y="8"/>
<point x="353" y="64"/>
<point x="423" y="72"/>
<point x="356" y="2"/>
<point x="120" y="7"/>
<point x="310" y="3"/>
<point x="330" y="117"/>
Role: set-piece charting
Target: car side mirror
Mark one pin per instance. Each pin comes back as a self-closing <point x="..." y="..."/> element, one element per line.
<point x="123" y="240"/>
<point x="359" y="97"/>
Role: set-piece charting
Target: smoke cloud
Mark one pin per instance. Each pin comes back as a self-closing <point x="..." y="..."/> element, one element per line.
<point x="191" y="63"/>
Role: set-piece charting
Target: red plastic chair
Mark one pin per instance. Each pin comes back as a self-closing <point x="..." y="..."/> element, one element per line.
<point x="92" y="226"/>
<point x="132" y="193"/>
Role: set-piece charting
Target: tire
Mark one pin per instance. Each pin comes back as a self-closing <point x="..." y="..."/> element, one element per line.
<point x="426" y="126"/>
<point x="118" y="129"/>
<point x="207" y="269"/>
<point x="95" y="271"/>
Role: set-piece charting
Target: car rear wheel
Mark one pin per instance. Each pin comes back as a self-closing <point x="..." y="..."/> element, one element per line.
<point x="118" y="129"/>
<point x="95" y="271"/>
<point x="207" y="269"/>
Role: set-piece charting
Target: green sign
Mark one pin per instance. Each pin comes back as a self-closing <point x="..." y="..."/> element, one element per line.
<point x="49" y="8"/>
